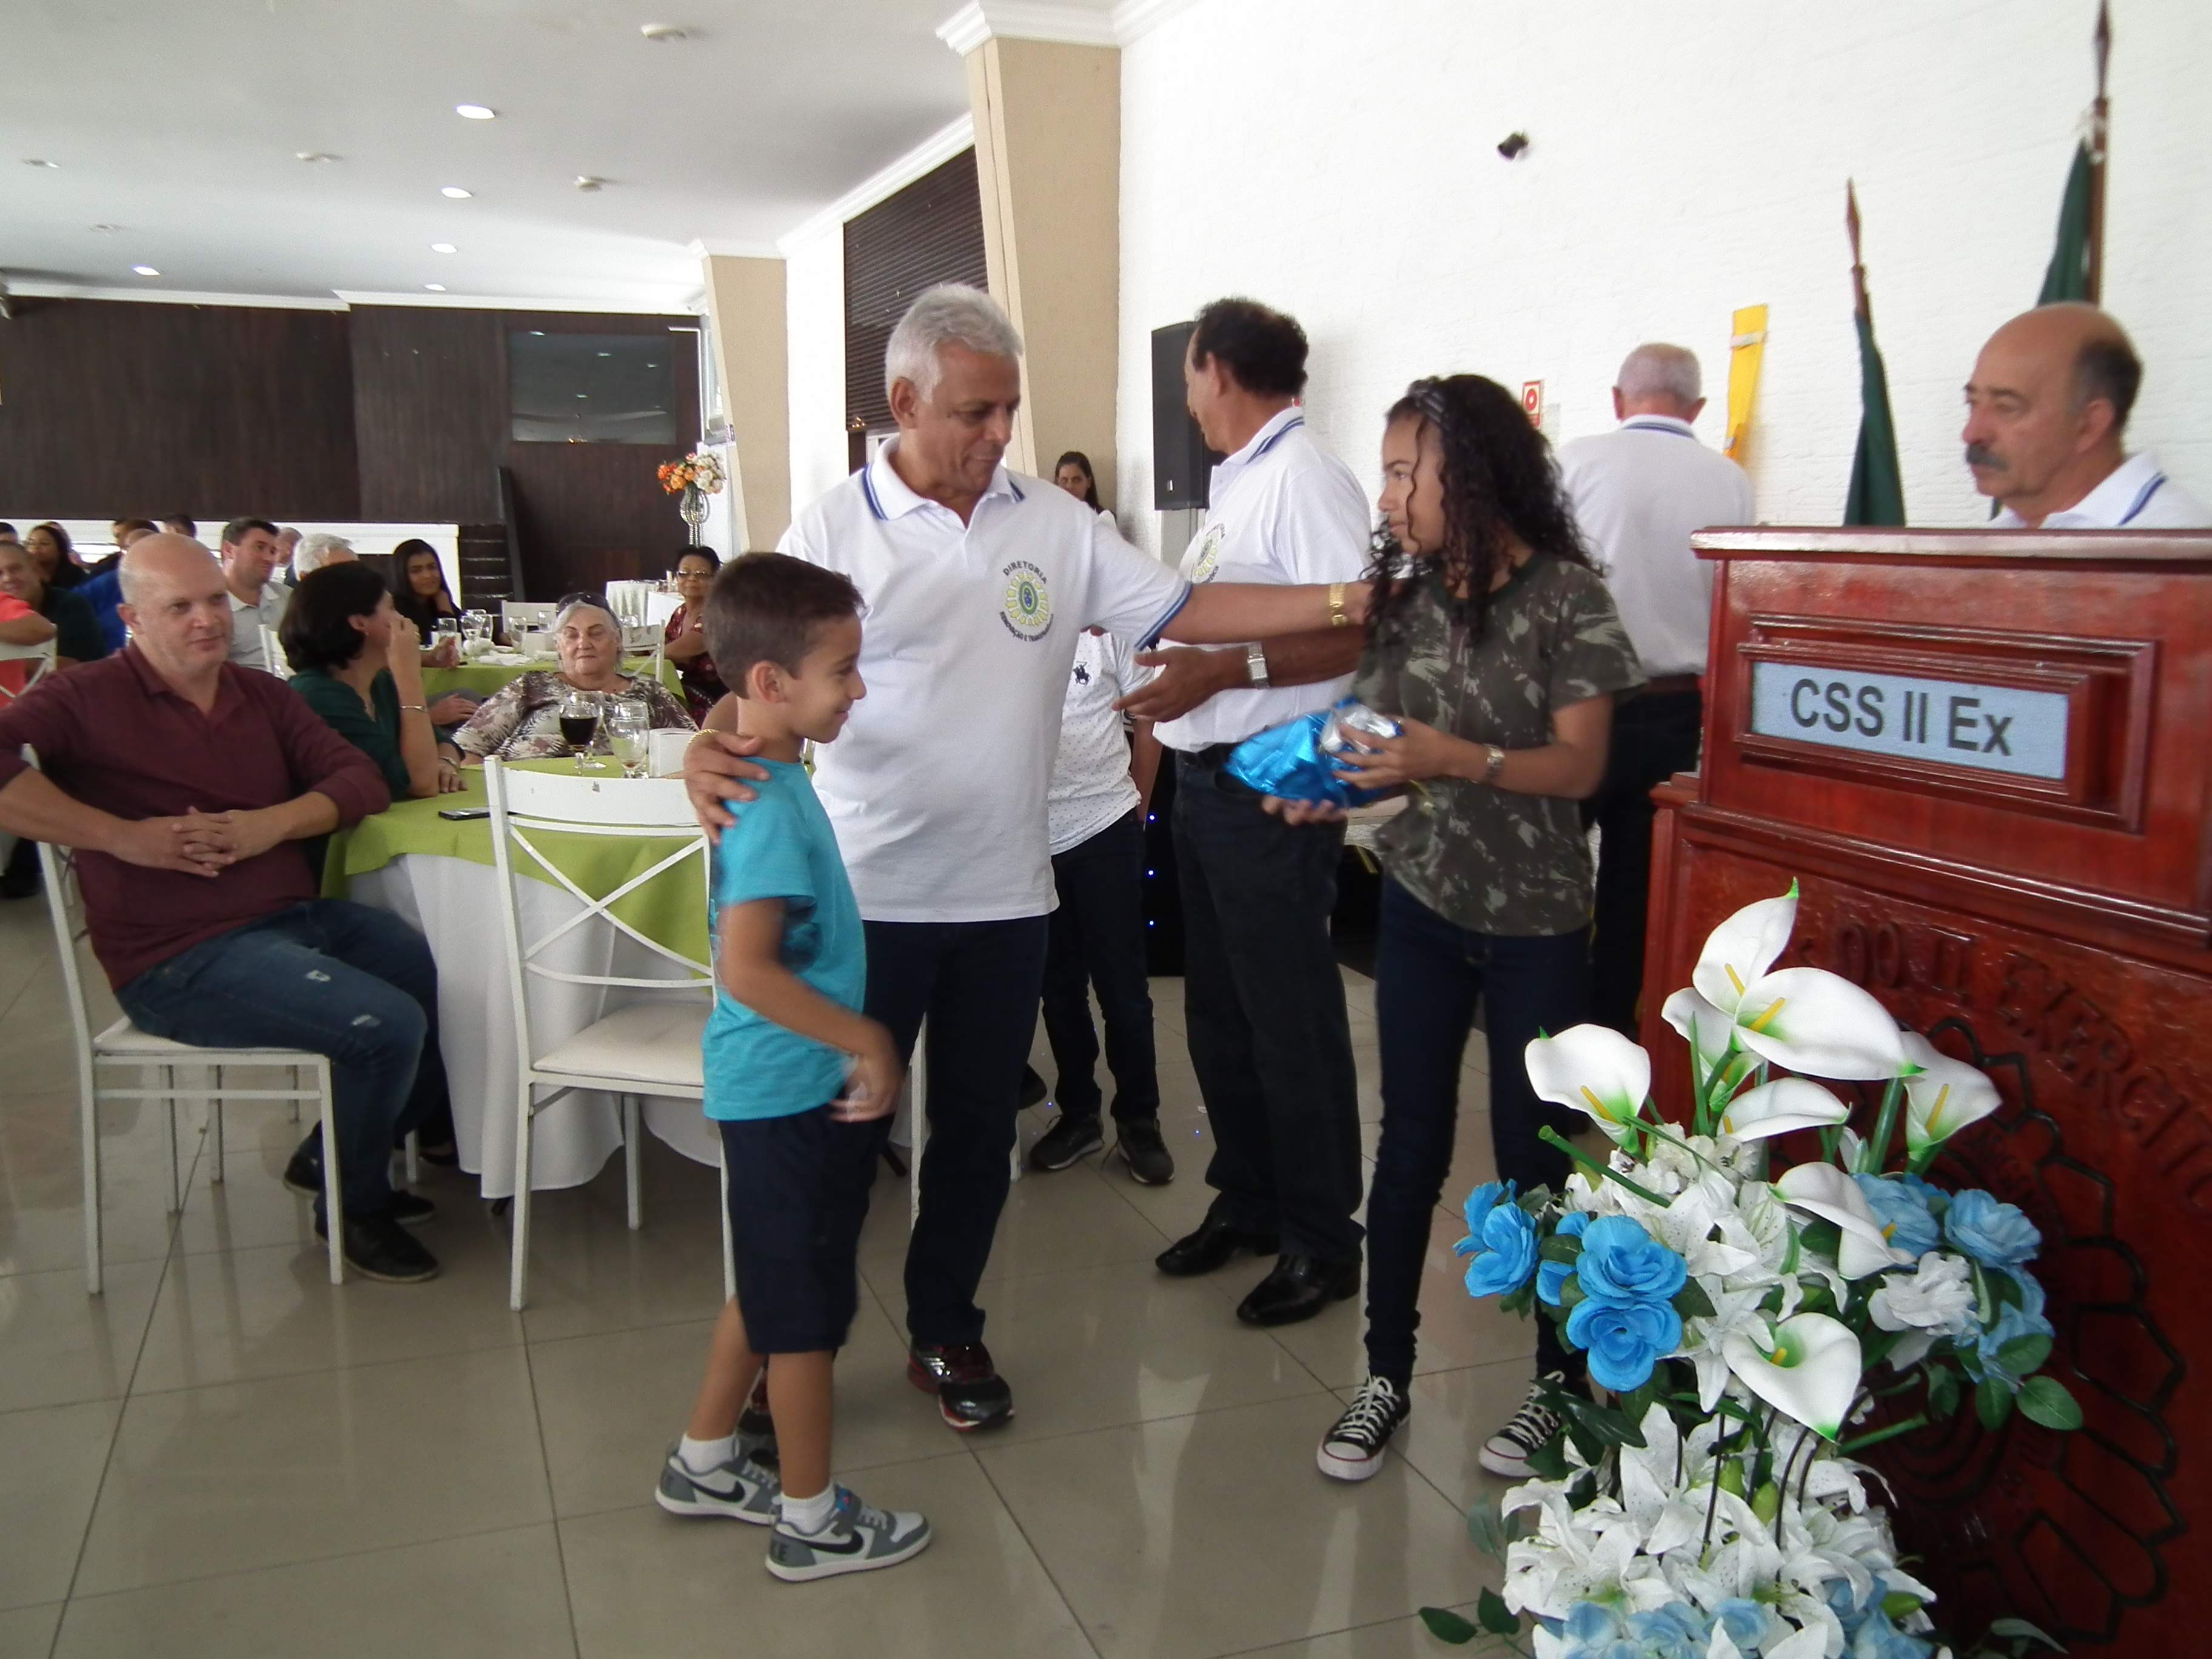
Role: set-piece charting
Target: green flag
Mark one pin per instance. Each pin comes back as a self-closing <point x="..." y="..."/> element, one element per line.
<point x="2067" y="276"/>
<point x="1877" y="492"/>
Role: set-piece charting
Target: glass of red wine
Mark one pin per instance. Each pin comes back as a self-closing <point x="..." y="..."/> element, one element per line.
<point x="579" y="724"/>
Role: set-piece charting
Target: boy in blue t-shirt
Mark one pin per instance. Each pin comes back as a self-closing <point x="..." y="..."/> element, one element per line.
<point x="801" y="1083"/>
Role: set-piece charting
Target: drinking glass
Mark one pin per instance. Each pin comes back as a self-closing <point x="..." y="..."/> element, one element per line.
<point x="629" y="734"/>
<point x="579" y="723"/>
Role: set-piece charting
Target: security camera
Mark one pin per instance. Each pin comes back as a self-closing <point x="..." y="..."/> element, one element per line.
<point x="1513" y="144"/>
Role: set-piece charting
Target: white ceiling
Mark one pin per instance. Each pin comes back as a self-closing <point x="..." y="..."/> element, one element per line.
<point x="179" y="121"/>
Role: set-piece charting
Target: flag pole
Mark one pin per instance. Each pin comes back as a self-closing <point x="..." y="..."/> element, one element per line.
<point x="2099" y="114"/>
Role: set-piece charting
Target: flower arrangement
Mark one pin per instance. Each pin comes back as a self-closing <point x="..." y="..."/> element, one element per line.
<point x="701" y="471"/>
<point x="1744" y="1325"/>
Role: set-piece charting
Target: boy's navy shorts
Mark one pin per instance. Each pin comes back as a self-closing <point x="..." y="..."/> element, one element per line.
<point x="799" y="1191"/>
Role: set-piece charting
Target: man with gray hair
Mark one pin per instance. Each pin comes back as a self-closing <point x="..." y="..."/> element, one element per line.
<point x="318" y="550"/>
<point x="978" y="581"/>
<point x="1638" y="492"/>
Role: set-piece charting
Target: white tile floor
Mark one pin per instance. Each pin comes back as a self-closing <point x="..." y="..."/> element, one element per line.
<point x="225" y="1455"/>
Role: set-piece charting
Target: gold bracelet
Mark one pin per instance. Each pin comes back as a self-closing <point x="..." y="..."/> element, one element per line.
<point x="413" y="708"/>
<point x="1336" y="617"/>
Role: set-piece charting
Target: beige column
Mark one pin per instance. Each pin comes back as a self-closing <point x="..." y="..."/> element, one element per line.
<point x="745" y="304"/>
<point x="1049" y="165"/>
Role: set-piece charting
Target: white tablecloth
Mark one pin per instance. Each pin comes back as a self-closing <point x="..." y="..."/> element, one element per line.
<point x="456" y="904"/>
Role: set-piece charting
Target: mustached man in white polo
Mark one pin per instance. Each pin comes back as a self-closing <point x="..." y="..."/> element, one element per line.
<point x="1640" y="491"/>
<point x="978" y="582"/>
<point x="1262" y="994"/>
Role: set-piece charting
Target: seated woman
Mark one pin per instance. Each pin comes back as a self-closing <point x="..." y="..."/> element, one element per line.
<point x="418" y="587"/>
<point x="358" y="664"/>
<point x="522" y="719"/>
<point x="76" y="633"/>
<point x="687" y="643"/>
<point x="49" y="545"/>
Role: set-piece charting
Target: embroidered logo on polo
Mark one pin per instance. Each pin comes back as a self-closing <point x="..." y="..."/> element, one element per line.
<point x="1207" y="554"/>
<point x="1026" y="609"/>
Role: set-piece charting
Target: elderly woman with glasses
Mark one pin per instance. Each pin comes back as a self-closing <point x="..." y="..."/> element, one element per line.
<point x="687" y="640"/>
<point x="522" y="719"/>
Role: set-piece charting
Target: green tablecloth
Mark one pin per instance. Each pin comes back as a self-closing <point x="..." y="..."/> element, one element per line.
<point x="480" y="679"/>
<point x="671" y="911"/>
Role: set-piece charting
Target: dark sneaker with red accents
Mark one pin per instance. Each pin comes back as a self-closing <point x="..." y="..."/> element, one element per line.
<point x="971" y="1393"/>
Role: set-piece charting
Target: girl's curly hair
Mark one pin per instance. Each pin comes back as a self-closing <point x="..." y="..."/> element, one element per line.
<point x="1497" y="477"/>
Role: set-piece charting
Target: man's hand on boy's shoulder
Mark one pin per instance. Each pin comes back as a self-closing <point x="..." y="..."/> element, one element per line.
<point x="716" y="768"/>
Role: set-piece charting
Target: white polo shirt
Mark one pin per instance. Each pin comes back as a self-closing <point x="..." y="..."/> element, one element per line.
<point x="1283" y="512"/>
<point x="1091" y="788"/>
<point x="246" y="621"/>
<point x="1638" y="492"/>
<point x="937" y="788"/>
<point x="2136" y="495"/>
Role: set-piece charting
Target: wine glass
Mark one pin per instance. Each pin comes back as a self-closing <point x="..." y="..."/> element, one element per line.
<point x="629" y="734"/>
<point x="579" y="723"/>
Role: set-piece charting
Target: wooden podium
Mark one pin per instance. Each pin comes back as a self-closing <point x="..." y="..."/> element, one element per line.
<point x="1987" y="758"/>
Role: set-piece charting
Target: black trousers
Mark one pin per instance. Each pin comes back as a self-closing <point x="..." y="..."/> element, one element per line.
<point x="977" y="984"/>
<point x="1653" y="739"/>
<point x="1097" y="937"/>
<point x="1264" y="1004"/>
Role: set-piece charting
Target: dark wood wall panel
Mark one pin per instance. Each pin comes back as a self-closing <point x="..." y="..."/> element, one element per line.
<point x="931" y="232"/>
<point x="587" y="514"/>
<point x="109" y="407"/>
<point x="429" y="390"/>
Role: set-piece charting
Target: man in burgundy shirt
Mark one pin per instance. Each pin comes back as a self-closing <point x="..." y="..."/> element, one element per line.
<point x="188" y="787"/>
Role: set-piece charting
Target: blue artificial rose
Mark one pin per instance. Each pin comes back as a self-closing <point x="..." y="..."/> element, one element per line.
<point x="1621" y="1262"/>
<point x="2030" y="1293"/>
<point x="1746" y="1623"/>
<point x="1623" y="1339"/>
<point x="1592" y="1632"/>
<point x="1480" y="1203"/>
<point x="1994" y="1233"/>
<point x="1985" y="1359"/>
<point x="1551" y="1276"/>
<point x="1903" y="1214"/>
<point x="1508" y="1255"/>
<point x="1879" y="1638"/>
<point x="1677" y="1631"/>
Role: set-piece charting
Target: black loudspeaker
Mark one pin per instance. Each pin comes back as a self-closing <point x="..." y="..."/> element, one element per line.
<point x="1181" y="463"/>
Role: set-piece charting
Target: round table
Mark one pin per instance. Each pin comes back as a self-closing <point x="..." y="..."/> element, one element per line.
<point x="437" y="874"/>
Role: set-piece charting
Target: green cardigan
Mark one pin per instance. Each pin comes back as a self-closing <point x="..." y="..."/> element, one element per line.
<point x="376" y="735"/>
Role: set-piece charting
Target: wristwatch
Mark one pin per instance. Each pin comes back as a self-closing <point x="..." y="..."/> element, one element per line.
<point x="1256" y="666"/>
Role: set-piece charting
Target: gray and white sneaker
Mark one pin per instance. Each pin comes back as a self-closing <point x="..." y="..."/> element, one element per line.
<point x="858" y="1539"/>
<point x="739" y="1489"/>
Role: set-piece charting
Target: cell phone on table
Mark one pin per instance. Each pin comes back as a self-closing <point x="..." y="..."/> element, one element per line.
<point x="459" y="814"/>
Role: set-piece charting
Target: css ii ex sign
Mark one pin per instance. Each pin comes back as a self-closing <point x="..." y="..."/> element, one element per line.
<point x="1991" y="728"/>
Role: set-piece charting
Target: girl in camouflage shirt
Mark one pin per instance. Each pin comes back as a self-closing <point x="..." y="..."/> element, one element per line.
<point x="1499" y="648"/>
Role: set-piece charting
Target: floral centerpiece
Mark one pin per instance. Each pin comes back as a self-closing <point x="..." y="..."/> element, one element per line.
<point x="695" y="478"/>
<point x="1747" y="1328"/>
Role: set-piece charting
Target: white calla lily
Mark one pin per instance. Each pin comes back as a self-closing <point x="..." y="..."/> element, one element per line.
<point x="1708" y="1030"/>
<point x="1811" y="1374"/>
<point x="1945" y="1097"/>
<point x="1738" y="952"/>
<point x="1777" y="1108"/>
<point x="1823" y="1190"/>
<point x="1595" y="1070"/>
<point x="1821" y="1024"/>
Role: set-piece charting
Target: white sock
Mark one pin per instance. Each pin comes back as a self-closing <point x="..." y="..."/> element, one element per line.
<point x="704" y="1456"/>
<point x="808" y="1515"/>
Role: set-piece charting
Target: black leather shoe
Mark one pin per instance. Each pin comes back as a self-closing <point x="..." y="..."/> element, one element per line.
<point x="1211" y="1247"/>
<point x="1298" y="1288"/>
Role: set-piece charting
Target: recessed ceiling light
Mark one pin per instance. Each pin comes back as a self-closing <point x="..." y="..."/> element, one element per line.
<point x="315" y="156"/>
<point x="443" y="247"/>
<point x="435" y="288"/>
<point x="653" y="365"/>
<point x="536" y="333"/>
<point x="659" y="33"/>
<point x="606" y="354"/>
<point x="589" y="181"/>
<point x="39" y="161"/>
<point x="583" y="394"/>
<point x="455" y="192"/>
<point x="145" y="271"/>
<point x="103" y="230"/>
<point x="475" y="112"/>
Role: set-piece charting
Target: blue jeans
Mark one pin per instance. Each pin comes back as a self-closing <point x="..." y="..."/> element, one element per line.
<point x="333" y="978"/>
<point x="1428" y="974"/>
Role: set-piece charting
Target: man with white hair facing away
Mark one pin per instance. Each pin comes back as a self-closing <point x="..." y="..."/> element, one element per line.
<point x="1638" y="492"/>
<point x="316" y="551"/>
<point x="978" y="582"/>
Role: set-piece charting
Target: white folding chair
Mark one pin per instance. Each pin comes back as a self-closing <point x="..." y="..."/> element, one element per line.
<point x="650" y="1047"/>
<point x="124" y="1046"/>
<point x="272" y="654"/>
<point x="41" y="661"/>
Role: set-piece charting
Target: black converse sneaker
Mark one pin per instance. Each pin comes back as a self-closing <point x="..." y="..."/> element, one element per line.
<point x="1354" y="1448"/>
<point x="1508" y="1451"/>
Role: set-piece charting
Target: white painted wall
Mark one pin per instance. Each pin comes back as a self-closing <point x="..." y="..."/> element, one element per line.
<point x="814" y="303"/>
<point x="1338" y="161"/>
